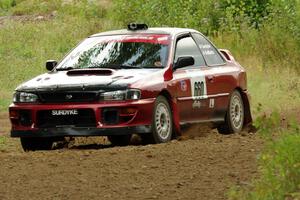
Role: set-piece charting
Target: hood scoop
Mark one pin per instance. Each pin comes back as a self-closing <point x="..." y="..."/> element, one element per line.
<point x="90" y="72"/>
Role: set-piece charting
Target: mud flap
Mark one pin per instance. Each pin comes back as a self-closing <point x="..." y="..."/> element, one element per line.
<point x="175" y="115"/>
<point x="248" y="116"/>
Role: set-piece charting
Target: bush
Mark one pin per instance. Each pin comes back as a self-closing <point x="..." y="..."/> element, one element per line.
<point x="280" y="171"/>
<point x="5" y="5"/>
<point x="269" y="29"/>
<point x="209" y="16"/>
<point x="179" y="13"/>
<point x="239" y="12"/>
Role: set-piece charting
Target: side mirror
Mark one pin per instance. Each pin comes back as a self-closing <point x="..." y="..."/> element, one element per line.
<point x="184" y="62"/>
<point x="50" y="64"/>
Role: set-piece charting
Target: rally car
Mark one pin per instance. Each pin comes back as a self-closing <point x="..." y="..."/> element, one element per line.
<point x="140" y="80"/>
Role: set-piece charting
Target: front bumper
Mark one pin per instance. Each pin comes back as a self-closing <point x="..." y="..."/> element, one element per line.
<point x="139" y="122"/>
<point x="80" y="132"/>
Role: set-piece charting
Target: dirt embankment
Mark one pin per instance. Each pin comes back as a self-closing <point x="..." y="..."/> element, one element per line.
<point x="200" y="168"/>
<point x="4" y="124"/>
<point x="26" y="18"/>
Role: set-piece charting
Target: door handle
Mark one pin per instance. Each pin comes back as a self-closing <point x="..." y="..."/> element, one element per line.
<point x="210" y="78"/>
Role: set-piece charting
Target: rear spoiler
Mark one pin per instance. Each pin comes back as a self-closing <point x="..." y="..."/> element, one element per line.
<point x="227" y="54"/>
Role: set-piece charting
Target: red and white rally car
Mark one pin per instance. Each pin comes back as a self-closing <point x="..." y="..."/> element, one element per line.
<point x="135" y="81"/>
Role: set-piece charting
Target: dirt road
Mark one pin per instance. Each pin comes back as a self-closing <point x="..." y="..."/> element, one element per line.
<point x="201" y="168"/>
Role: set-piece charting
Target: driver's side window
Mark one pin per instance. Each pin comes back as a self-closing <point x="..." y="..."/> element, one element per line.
<point x="187" y="47"/>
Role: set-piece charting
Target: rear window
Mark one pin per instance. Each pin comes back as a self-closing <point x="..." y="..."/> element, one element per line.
<point x="210" y="53"/>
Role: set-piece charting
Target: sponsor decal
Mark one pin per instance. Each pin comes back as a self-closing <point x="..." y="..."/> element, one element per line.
<point x="68" y="97"/>
<point x="207" y="49"/>
<point x="183" y="85"/>
<point x="198" y="88"/>
<point x="197" y="104"/>
<point x="64" y="112"/>
<point x="208" y="52"/>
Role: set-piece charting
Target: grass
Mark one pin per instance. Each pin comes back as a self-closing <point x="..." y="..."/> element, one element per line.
<point x="5" y="6"/>
<point x="273" y="83"/>
<point x="24" y="54"/>
<point x="26" y="45"/>
<point x="2" y="141"/>
<point x="279" y="169"/>
<point x="272" y="89"/>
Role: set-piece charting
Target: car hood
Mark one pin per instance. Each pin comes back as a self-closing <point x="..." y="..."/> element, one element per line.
<point x="85" y="79"/>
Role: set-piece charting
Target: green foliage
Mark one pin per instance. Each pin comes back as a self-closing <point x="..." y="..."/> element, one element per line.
<point x="5" y="5"/>
<point x="268" y="28"/>
<point x="35" y="7"/>
<point x="279" y="163"/>
<point x="177" y="13"/>
<point x="238" y="12"/>
<point x="2" y="141"/>
<point x="23" y="53"/>
<point x="210" y="16"/>
<point x="280" y="171"/>
<point x="34" y="43"/>
<point x="83" y="8"/>
<point x="268" y="124"/>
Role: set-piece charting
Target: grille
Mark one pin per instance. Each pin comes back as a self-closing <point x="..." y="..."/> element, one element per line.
<point x="84" y="118"/>
<point x="110" y="116"/>
<point x="60" y="97"/>
<point x="25" y="117"/>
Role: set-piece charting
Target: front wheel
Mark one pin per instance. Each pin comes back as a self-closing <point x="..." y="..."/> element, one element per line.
<point x="36" y="144"/>
<point x="162" y="124"/>
<point x="234" y="119"/>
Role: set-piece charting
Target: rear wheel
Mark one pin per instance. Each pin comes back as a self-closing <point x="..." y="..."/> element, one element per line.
<point x="162" y="124"/>
<point x="234" y="119"/>
<point x="119" y="140"/>
<point x="35" y="144"/>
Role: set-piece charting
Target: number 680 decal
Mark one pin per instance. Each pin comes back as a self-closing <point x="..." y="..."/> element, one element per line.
<point x="198" y="88"/>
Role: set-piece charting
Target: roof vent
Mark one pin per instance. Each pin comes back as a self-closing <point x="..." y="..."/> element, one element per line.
<point x="135" y="27"/>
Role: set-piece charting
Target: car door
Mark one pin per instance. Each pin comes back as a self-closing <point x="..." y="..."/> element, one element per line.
<point x="191" y="91"/>
<point x="219" y="78"/>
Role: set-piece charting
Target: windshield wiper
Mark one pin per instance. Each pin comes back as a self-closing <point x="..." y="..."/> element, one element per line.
<point x="112" y="66"/>
<point x="64" y="69"/>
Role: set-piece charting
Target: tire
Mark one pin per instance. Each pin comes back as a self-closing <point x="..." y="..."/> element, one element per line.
<point x="119" y="140"/>
<point x="36" y="144"/>
<point x="234" y="119"/>
<point x="162" y="123"/>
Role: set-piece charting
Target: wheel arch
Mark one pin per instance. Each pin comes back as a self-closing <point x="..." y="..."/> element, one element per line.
<point x="175" y="114"/>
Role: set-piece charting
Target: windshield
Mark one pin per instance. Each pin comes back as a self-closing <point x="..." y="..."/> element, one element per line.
<point x="119" y="51"/>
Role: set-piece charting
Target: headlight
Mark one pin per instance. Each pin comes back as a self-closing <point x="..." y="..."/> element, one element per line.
<point x="131" y="94"/>
<point x="24" y="97"/>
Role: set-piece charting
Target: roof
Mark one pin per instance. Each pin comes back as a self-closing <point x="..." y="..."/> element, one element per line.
<point x="170" y="31"/>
